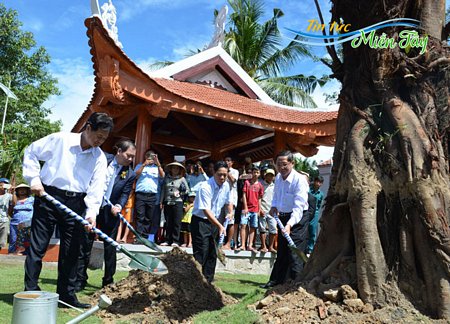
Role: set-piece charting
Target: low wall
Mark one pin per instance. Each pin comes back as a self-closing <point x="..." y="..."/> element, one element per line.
<point x="237" y="262"/>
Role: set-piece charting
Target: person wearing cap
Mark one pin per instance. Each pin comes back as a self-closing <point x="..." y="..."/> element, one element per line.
<point x="74" y="173"/>
<point x="186" y="220"/>
<point x="266" y="221"/>
<point x="20" y="226"/>
<point x="6" y="200"/>
<point x="173" y="191"/>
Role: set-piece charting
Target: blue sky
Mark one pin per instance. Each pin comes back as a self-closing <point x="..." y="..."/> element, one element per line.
<point x="148" y="29"/>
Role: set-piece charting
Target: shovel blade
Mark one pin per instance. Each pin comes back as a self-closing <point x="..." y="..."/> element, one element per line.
<point x="148" y="263"/>
<point x="299" y="253"/>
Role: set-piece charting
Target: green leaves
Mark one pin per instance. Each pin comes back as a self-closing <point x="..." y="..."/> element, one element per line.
<point x="257" y="48"/>
<point x="24" y="65"/>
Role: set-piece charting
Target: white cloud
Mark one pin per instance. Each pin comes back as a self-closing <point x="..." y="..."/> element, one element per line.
<point x="34" y="25"/>
<point x="128" y="9"/>
<point x="76" y="83"/>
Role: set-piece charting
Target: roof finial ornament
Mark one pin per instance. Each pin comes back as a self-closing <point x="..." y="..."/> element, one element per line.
<point x="109" y="18"/>
<point x="219" y="23"/>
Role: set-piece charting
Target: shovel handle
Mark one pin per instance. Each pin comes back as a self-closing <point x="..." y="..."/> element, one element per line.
<point x="222" y="236"/>
<point x="80" y="219"/>
<point x="283" y="231"/>
<point x="147" y="243"/>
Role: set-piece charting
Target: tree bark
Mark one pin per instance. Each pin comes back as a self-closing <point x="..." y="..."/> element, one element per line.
<point x="385" y="225"/>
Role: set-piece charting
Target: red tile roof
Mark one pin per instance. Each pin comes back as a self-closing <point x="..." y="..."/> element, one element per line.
<point x="232" y="102"/>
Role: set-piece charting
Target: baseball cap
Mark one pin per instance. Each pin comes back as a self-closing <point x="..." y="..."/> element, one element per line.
<point x="271" y="171"/>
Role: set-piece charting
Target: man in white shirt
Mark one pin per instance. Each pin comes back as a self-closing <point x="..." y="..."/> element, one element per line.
<point x="205" y="226"/>
<point x="290" y="199"/>
<point x="74" y="172"/>
<point x="232" y="178"/>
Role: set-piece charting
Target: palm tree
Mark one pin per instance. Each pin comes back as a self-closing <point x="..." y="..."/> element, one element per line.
<point x="257" y="48"/>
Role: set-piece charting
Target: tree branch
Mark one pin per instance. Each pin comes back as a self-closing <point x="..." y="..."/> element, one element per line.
<point x="330" y="49"/>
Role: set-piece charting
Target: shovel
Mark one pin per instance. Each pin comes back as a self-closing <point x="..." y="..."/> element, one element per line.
<point x="138" y="260"/>
<point x="147" y="243"/>
<point x="220" y="253"/>
<point x="291" y="243"/>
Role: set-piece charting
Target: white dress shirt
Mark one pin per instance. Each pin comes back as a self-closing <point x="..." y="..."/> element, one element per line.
<point x="233" y="187"/>
<point x="68" y="167"/>
<point x="212" y="197"/>
<point x="291" y="195"/>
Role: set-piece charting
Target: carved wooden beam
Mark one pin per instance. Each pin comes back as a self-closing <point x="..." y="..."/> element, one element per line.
<point x="192" y="125"/>
<point x="242" y="139"/>
<point x="182" y="142"/>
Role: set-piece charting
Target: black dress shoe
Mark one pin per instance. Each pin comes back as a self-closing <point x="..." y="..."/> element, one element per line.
<point x="76" y="304"/>
<point x="268" y="285"/>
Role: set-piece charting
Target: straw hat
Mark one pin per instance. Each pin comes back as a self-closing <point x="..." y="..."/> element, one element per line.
<point x="181" y="166"/>
<point x="23" y="185"/>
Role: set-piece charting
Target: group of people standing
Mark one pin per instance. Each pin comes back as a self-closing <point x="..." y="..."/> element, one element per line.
<point x="97" y="186"/>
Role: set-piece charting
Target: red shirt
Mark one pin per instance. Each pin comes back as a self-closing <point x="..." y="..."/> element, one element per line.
<point x="253" y="192"/>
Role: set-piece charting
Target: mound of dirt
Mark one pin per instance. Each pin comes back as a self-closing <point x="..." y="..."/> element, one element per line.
<point x="173" y="297"/>
<point x="291" y="303"/>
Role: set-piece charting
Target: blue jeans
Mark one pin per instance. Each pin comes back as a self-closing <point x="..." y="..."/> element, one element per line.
<point x="251" y="219"/>
<point x="12" y="238"/>
<point x="312" y="230"/>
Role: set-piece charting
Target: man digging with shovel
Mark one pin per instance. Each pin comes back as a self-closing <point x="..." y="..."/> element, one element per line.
<point x="290" y="199"/>
<point x="74" y="172"/>
<point x="211" y="197"/>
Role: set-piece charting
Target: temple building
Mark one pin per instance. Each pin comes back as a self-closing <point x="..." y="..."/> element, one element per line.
<point x="204" y="106"/>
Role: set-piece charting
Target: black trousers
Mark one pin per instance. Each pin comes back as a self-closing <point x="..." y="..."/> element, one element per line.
<point x="288" y="265"/>
<point x="173" y="214"/>
<point x="87" y="240"/>
<point x="203" y="244"/>
<point x="145" y="205"/>
<point x="45" y="217"/>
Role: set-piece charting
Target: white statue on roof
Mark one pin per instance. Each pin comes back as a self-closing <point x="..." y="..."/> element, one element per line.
<point x="108" y="17"/>
<point x="219" y="23"/>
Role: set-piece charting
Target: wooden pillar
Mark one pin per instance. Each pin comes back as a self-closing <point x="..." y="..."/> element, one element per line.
<point x="215" y="153"/>
<point x="143" y="134"/>
<point x="279" y="142"/>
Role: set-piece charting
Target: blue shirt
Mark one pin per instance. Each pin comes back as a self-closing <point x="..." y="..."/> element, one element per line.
<point x="23" y="211"/>
<point x="212" y="197"/>
<point x="193" y="180"/>
<point x="148" y="180"/>
<point x="319" y="198"/>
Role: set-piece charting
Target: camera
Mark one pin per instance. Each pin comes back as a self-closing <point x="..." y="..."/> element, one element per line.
<point x="196" y="168"/>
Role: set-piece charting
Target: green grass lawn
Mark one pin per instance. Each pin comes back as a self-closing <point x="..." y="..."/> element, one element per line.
<point x="242" y="287"/>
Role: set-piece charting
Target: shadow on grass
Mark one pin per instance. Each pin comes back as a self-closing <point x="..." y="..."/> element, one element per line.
<point x="238" y="296"/>
<point x="7" y="298"/>
<point x="250" y="282"/>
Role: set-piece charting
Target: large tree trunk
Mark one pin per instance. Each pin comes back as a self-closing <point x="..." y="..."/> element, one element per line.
<point x="385" y="226"/>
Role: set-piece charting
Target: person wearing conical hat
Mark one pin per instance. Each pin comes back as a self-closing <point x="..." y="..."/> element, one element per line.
<point x="20" y="225"/>
<point x="173" y="190"/>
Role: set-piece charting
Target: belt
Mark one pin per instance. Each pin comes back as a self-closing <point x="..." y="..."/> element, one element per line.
<point x="284" y="214"/>
<point x="67" y="193"/>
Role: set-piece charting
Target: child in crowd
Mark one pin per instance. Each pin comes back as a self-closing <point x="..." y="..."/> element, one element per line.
<point x="265" y="219"/>
<point x="123" y="231"/>
<point x="186" y="221"/>
<point x="251" y="202"/>
<point x="314" y="223"/>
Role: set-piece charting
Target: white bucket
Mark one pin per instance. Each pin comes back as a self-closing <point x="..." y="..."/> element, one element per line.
<point x="35" y="307"/>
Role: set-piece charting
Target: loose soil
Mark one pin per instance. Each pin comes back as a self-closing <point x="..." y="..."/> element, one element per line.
<point x="143" y="297"/>
<point x="291" y="303"/>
